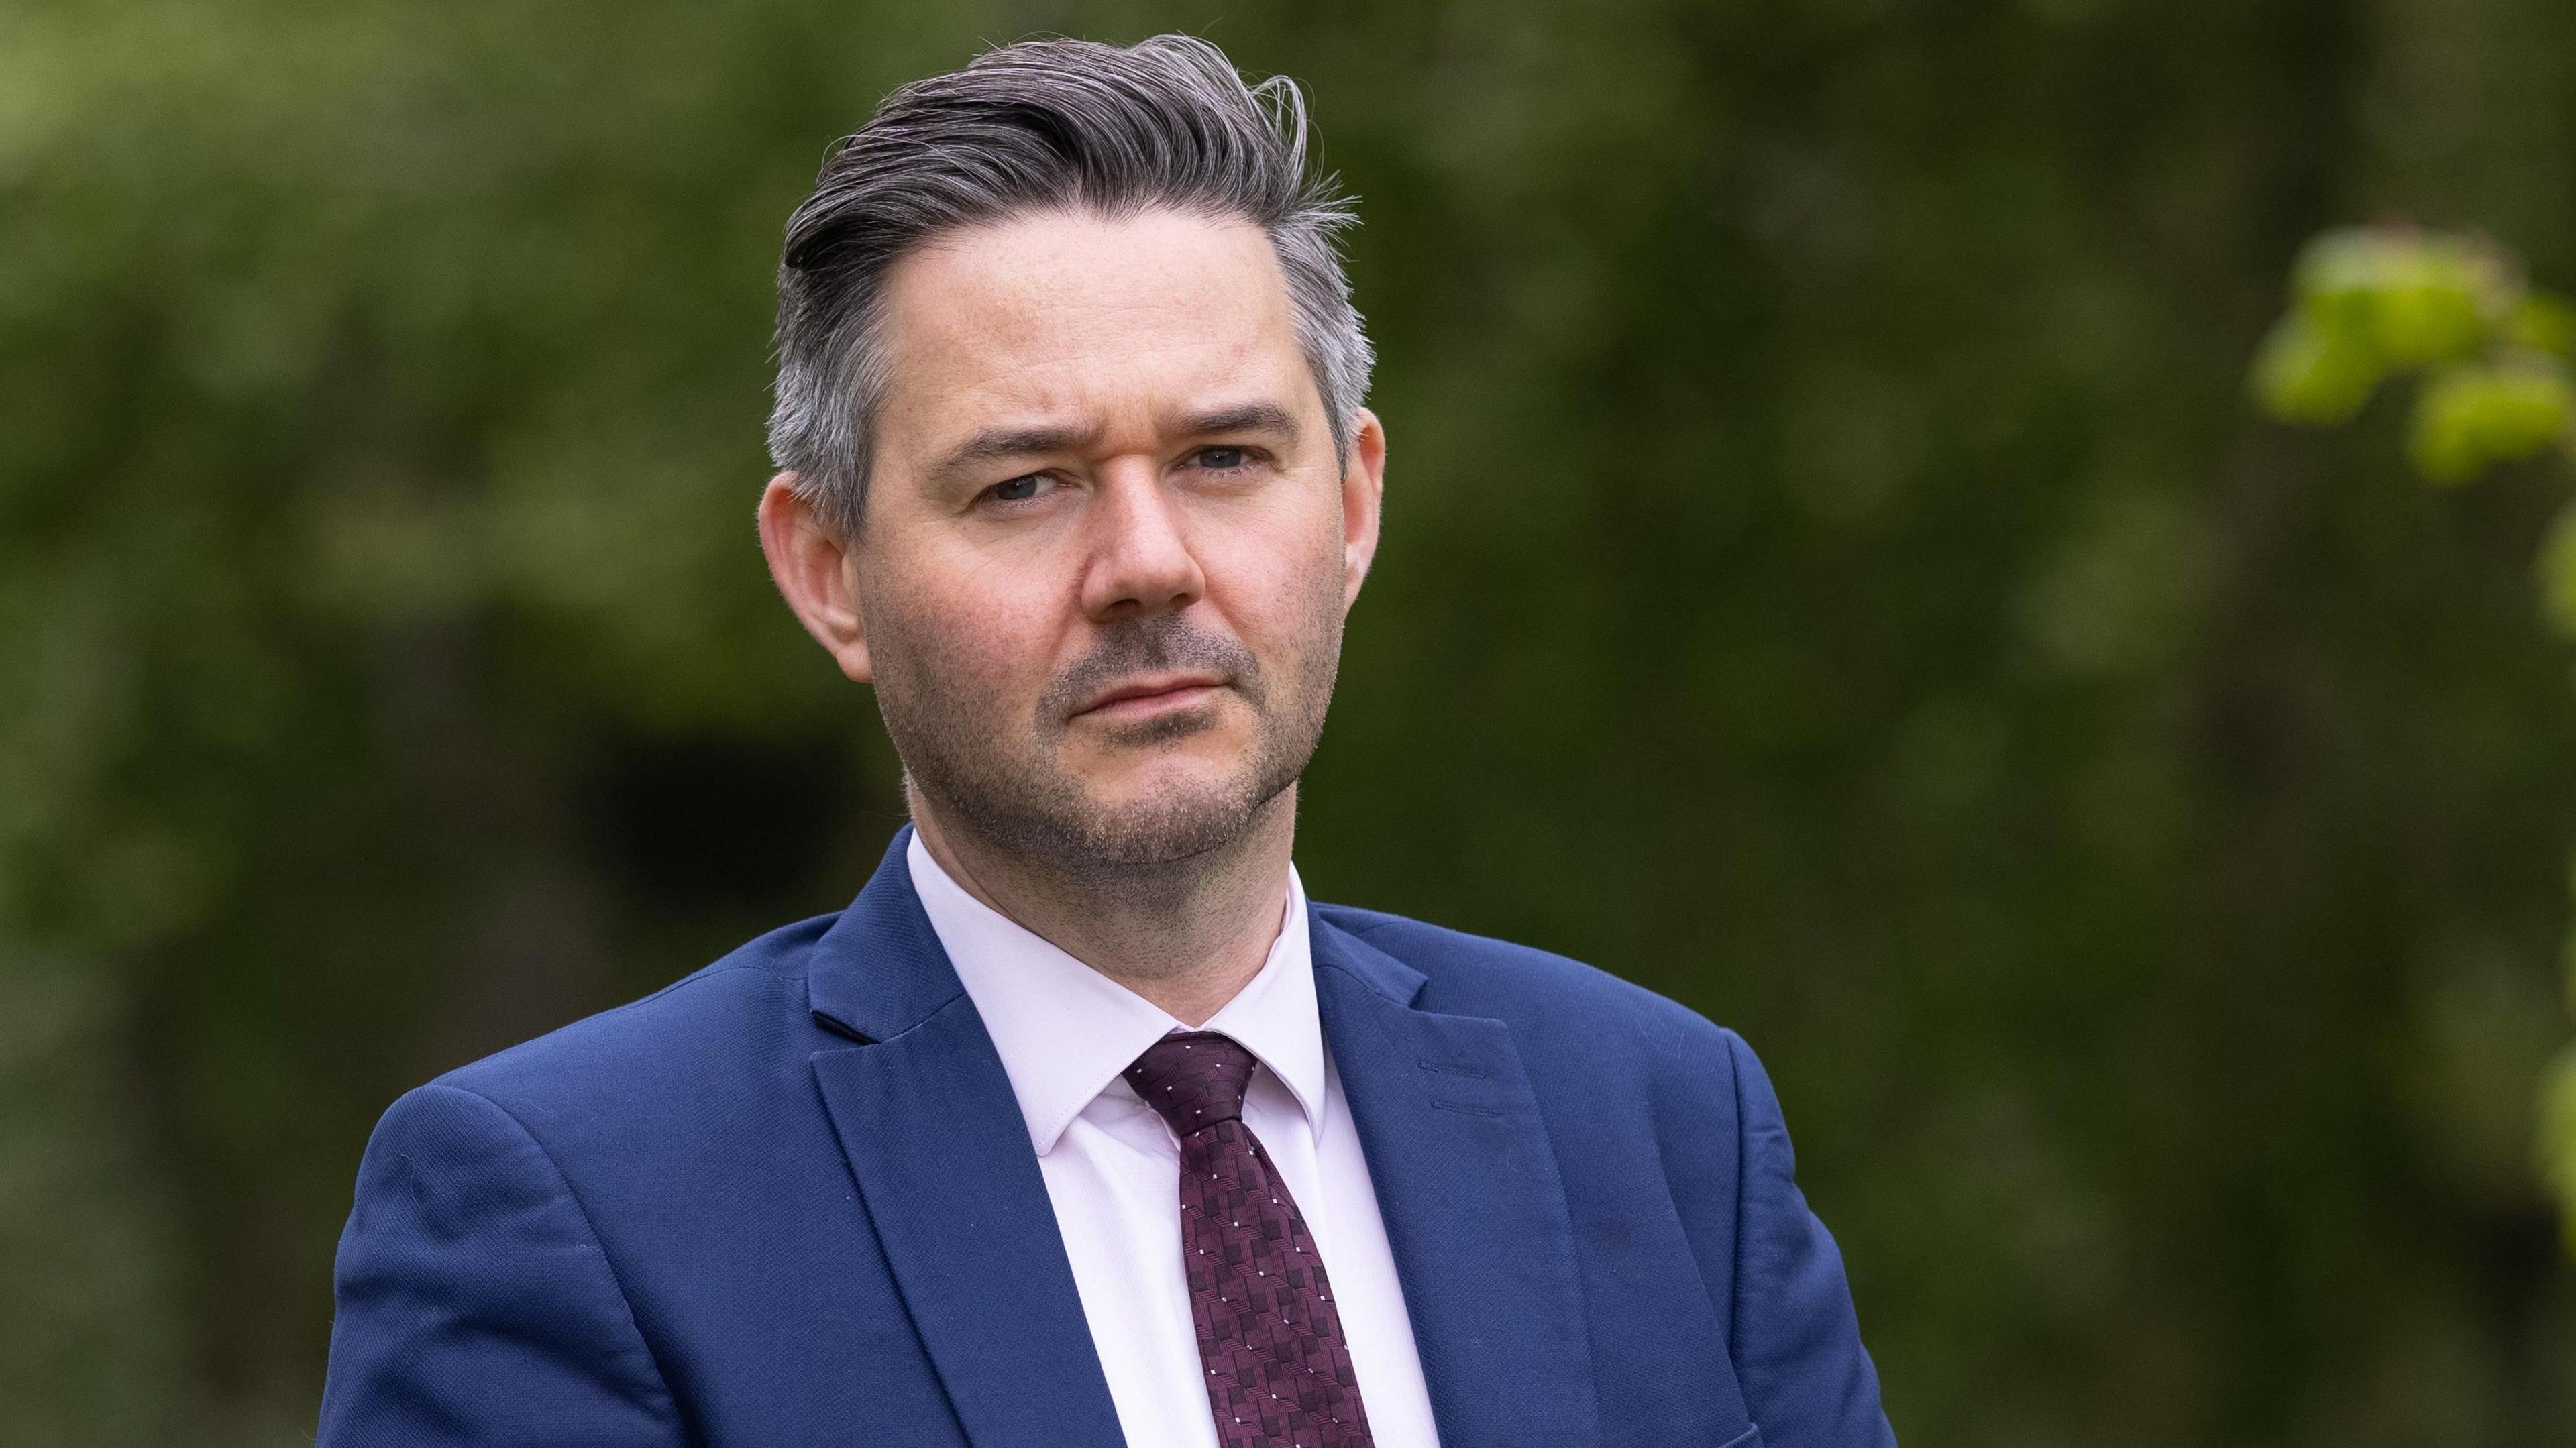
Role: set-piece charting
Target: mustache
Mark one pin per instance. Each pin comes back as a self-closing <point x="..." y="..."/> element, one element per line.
<point x="1162" y="642"/>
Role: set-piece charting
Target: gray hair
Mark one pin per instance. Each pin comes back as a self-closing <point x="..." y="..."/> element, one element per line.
<point x="1038" y="125"/>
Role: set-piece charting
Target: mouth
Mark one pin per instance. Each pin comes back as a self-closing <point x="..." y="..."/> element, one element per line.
<point x="1151" y="696"/>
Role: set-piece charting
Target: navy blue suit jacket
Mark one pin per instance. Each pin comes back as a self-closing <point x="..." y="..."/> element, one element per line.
<point x="789" y="1200"/>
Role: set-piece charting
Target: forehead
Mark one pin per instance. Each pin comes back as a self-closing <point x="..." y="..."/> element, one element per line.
<point x="1071" y="311"/>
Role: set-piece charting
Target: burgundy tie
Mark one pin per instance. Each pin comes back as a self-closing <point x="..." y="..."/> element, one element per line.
<point x="1278" y="1372"/>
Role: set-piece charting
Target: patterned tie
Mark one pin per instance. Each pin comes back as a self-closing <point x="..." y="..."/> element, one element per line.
<point x="1278" y="1373"/>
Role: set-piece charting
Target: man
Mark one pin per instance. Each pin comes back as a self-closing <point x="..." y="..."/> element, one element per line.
<point x="1082" y="1123"/>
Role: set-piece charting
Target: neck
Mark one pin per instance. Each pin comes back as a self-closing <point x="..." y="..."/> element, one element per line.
<point x="1188" y="935"/>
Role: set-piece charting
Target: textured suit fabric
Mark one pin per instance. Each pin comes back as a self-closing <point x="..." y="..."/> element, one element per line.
<point x="739" y="1212"/>
<point x="1279" y="1374"/>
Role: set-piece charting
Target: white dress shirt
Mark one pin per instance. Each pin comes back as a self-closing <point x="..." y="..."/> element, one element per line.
<point x="1112" y="1167"/>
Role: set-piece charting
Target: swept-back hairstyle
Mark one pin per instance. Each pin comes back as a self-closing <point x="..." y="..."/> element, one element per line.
<point x="1037" y="125"/>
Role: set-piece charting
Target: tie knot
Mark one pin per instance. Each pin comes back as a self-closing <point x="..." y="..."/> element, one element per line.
<point x="1194" y="1078"/>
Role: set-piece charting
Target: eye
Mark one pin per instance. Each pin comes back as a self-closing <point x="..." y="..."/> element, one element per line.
<point x="1222" y="459"/>
<point x="1017" y="490"/>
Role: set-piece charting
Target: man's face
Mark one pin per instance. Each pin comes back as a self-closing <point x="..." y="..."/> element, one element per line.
<point x="1108" y="547"/>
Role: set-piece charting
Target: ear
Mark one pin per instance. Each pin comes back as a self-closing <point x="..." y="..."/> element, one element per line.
<point x="810" y="562"/>
<point x="1363" y="500"/>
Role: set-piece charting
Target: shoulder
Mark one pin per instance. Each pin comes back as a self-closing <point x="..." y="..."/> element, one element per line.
<point x="680" y="1054"/>
<point x="1563" y="1004"/>
<point x="1465" y="972"/>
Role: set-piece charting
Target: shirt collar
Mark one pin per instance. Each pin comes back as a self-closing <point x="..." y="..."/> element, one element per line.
<point x="1065" y="1032"/>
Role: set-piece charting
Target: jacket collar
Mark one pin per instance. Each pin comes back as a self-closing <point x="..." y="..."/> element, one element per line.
<point x="1066" y="1032"/>
<point x="879" y="971"/>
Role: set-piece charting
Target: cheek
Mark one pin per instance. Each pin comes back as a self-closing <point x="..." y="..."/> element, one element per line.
<point x="1283" y="574"/>
<point x="960" y="634"/>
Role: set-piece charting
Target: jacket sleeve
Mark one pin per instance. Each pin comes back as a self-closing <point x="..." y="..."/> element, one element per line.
<point x="1807" y="1381"/>
<point x="473" y="1302"/>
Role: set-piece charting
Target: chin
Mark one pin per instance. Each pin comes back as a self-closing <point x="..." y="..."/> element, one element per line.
<point x="1172" y="815"/>
<point x="1173" y="793"/>
<point x="1145" y="765"/>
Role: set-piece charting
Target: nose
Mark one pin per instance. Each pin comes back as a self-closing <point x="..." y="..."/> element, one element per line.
<point x="1141" y="561"/>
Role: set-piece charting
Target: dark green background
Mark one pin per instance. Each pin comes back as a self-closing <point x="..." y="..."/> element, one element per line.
<point x="1831" y="575"/>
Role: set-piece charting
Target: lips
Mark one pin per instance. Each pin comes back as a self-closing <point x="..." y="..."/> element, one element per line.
<point x="1152" y="694"/>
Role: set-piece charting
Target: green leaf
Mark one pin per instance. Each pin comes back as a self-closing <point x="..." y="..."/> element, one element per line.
<point x="2474" y="415"/>
<point x="2544" y="323"/>
<point x="2305" y="373"/>
<point x="2410" y="298"/>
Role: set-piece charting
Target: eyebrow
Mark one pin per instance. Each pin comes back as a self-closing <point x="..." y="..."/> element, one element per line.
<point x="1266" y="417"/>
<point x="1002" y="444"/>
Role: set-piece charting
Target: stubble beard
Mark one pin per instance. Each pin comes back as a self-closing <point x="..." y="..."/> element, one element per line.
<point x="1008" y="786"/>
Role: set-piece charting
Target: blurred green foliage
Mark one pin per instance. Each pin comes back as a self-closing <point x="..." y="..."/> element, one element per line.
<point x="2369" y="304"/>
<point x="1830" y="577"/>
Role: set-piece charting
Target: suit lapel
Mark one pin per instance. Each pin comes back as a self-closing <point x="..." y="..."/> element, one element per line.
<point x="935" y="1140"/>
<point x="1465" y="1177"/>
<point x="1467" y="1184"/>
